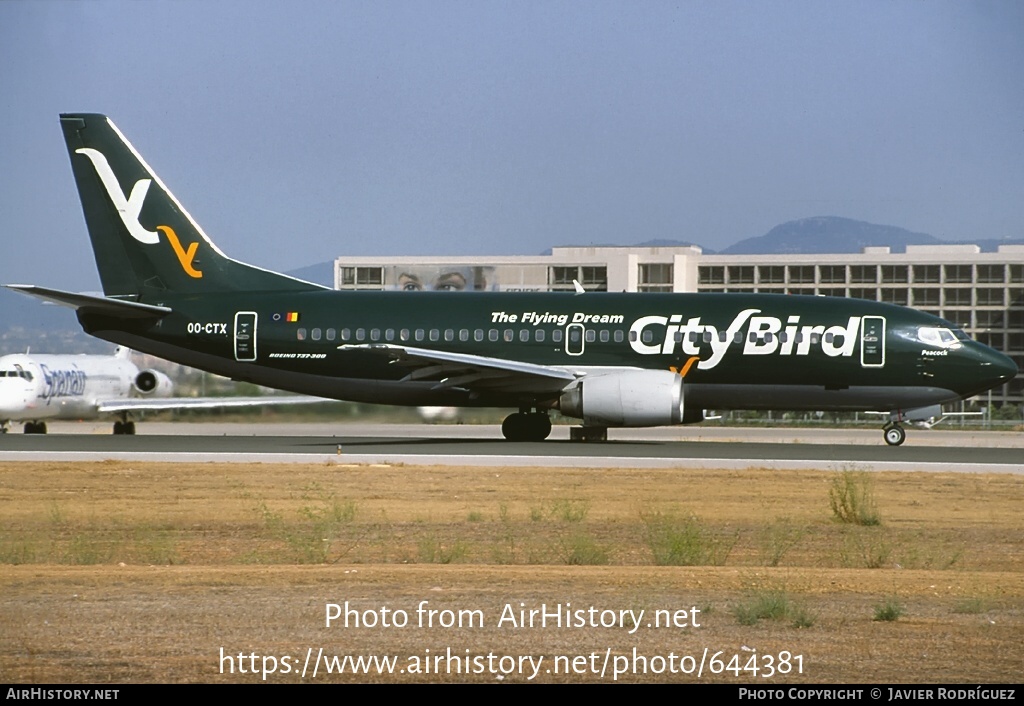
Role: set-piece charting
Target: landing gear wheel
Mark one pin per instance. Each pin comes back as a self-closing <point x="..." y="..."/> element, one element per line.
<point x="125" y="427"/>
<point x="539" y="426"/>
<point x="35" y="427"/>
<point x="894" y="435"/>
<point x="512" y="427"/>
<point x="522" y="426"/>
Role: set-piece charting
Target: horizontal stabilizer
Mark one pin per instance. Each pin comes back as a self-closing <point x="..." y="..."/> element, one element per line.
<point x="91" y="303"/>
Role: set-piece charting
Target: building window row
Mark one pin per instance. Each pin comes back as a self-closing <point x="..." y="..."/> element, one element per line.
<point x="593" y="278"/>
<point x="860" y="274"/>
<point x="362" y="277"/>
<point x="655" y="277"/>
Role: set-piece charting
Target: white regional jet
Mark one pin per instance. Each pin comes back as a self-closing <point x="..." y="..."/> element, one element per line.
<point x="34" y="388"/>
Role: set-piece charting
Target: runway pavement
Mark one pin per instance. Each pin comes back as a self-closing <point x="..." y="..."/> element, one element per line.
<point x="675" y="447"/>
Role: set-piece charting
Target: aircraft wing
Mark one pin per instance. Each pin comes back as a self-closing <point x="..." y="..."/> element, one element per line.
<point x="136" y="404"/>
<point x="469" y="371"/>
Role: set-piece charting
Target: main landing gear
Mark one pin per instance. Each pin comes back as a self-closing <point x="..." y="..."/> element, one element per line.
<point x="123" y="426"/>
<point x="35" y="427"/>
<point x="894" y="434"/>
<point x="526" y="426"/>
<point x="126" y="427"/>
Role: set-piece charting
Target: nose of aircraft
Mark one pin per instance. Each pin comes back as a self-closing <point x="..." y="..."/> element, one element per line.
<point x="1005" y="366"/>
<point x="13" y="400"/>
<point x="998" y="368"/>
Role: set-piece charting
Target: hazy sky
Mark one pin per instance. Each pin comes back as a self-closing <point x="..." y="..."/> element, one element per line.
<point x="296" y="132"/>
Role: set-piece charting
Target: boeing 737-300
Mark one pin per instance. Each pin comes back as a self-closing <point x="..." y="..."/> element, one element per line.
<point x="609" y="359"/>
<point x="35" y="388"/>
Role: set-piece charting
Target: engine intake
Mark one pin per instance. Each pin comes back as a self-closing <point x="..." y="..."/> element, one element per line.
<point x="153" y="383"/>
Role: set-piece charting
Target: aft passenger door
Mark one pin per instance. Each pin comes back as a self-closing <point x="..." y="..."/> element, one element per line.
<point x="245" y="335"/>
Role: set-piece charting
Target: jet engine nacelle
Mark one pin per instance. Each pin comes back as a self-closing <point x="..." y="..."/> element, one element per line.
<point x="153" y="383"/>
<point x="634" y="398"/>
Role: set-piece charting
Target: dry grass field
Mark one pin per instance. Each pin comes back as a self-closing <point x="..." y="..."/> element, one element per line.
<point x="128" y="572"/>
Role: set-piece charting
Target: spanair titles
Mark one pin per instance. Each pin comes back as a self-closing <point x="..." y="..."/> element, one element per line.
<point x="69" y="382"/>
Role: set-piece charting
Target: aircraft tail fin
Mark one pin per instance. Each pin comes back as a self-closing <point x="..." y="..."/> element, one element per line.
<point x="145" y="243"/>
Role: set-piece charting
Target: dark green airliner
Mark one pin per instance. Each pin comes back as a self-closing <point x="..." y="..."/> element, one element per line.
<point x="612" y="360"/>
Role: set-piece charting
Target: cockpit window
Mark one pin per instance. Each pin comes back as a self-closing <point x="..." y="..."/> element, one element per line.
<point x="957" y="330"/>
<point x="938" y="337"/>
<point x="23" y="374"/>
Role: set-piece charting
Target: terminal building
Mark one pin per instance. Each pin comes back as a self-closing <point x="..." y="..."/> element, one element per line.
<point x="980" y="292"/>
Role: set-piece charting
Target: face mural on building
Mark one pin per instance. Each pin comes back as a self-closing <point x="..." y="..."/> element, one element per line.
<point x="441" y="278"/>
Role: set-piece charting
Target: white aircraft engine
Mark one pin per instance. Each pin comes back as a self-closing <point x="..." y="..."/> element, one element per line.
<point x="635" y="398"/>
<point x="153" y="383"/>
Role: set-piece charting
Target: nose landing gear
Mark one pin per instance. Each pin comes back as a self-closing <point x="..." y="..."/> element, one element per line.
<point x="894" y="434"/>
